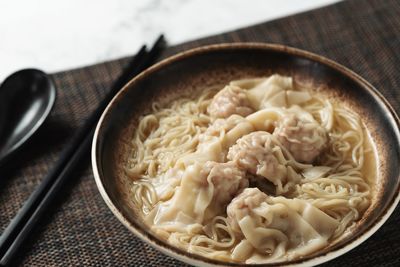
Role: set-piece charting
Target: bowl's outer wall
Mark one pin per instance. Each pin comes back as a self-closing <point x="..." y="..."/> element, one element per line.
<point x="190" y="73"/>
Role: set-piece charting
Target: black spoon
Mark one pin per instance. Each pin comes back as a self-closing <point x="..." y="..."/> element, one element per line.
<point x="26" y="99"/>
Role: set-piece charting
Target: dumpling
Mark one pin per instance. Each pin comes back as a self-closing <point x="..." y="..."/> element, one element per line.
<point x="227" y="130"/>
<point x="259" y="154"/>
<point x="204" y="192"/>
<point x="255" y="153"/>
<point x="266" y="119"/>
<point x="274" y="91"/>
<point x="242" y="205"/>
<point x="301" y="135"/>
<point x="228" y="101"/>
<point x="276" y="227"/>
<point x="227" y="180"/>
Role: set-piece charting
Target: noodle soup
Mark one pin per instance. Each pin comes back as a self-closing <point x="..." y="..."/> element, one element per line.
<point x="259" y="171"/>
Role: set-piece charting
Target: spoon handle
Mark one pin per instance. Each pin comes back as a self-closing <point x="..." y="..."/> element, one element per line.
<point x="42" y="197"/>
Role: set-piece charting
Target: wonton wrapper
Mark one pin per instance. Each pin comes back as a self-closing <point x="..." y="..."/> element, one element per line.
<point x="274" y="91"/>
<point x="276" y="227"/>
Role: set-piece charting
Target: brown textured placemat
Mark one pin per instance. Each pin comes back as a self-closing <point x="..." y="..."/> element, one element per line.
<point x="81" y="231"/>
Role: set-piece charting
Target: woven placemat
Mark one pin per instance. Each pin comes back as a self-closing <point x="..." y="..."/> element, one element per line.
<point x="82" y="231"/>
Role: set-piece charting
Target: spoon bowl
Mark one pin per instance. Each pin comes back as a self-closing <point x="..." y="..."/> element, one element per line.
<point x="26" y="99"/>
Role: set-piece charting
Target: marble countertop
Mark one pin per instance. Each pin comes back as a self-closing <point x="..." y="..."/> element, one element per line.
<point x="63" y="34"/>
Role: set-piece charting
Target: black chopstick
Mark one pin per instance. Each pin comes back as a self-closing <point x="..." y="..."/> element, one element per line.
<point x="40" y="200"/>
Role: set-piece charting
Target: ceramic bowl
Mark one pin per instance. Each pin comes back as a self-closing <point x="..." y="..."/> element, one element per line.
<point x="191" y="71"/>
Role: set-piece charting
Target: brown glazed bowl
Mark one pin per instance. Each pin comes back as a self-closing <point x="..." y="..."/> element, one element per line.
<point x="189" y="72"/>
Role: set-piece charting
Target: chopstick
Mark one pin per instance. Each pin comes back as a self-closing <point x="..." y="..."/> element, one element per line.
<point x="42" y="197"/>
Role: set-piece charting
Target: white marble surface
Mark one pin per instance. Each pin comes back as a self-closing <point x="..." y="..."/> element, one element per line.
<point x="55" y="35"/>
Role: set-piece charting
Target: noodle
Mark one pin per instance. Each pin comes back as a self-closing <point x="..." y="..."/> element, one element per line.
<point x="192" y="161"/>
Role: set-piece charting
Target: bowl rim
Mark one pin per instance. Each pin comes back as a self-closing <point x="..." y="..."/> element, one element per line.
<point x="200" y="260"/>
